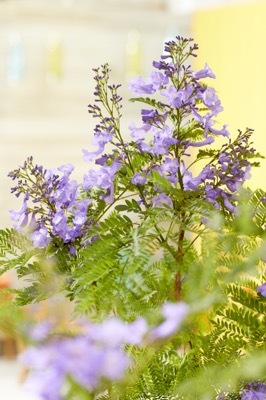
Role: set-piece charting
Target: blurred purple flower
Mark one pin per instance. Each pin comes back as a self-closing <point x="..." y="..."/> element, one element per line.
<point x="40" y="331"/>
<point x="254" y="391"/>
<point x="94" y="354"/>
<point x="174" y="314"/>
<point x="262" y="289"/>
<point x="41" y="237"/>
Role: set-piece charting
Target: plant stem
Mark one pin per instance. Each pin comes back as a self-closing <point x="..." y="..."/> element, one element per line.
<point x="179" y="259"/>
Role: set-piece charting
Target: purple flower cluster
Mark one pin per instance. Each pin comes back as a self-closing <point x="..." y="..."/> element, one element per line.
<point x="57" y="210"/>
<point x="183" y="93"/>
<point x="183" y="118"/>
<point x="168" y="131"/>
<point x="92" y="355"/>
<point x="254" y="391"/>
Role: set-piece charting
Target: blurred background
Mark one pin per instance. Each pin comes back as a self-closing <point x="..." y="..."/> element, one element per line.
<point x="47" y="51"/>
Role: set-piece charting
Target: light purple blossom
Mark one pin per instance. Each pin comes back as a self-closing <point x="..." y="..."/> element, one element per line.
<point x="87" y="358"/>
<point x="158" y="79"/>
<point x="139" y="133"/>
<point x="41" y="237"/>
<point x="161" y="200"/>
<point x="191" y="183"/>
<point x="254" y="391"/>
<point x="138" y="86"/>
<point x="262" y="289"/>
<point x="207" y="123"/>
<point x="224" y="131"/>
<point x="174" y="314"/>
<point x="79" y="210"/>
<point x="40" y="331"/>
<point x="211" y="100"/>
<point x="92" y="355"/>
<point x="205" y="142"/>
<point x="154" y="82"/>
<point x="138" y="179"/>
<point x="114" y="332"/>
<point x="100" y="140"/>
<point x="153" y="117"/>
<point x="178" y="98"/>
<point x="102" y="178"/>
<point x="59" y="223"/>
<point x="67" y="169"/>
<point x="170" y="165"/>
<point x="163" y="139"/>
<point x="206" y="72"/>
<point x="21" y="213"/>
<point x="65" y="193"/>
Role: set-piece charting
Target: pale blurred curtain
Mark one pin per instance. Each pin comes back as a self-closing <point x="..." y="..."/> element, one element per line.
<point x="232" y="42"/>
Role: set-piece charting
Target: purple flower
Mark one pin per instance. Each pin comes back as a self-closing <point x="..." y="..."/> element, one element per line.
<point x="228" y="204"/>
<point x="170" y="165"/>
<point x="114" y="332"/>
<point x="79" y="211"/>
<point x="87" y="357"/>
<point x="59" y="223"/>
<point x="158" y="79"/>
<point x="223" y="131"/>
<point x="103" y="179"/>
<point x="153" y="117"/>
<point x="178" y="98"/>
<point x="67" y="170"/>
<point x="154" y="82"/>
<point x="169" y="169"/>
<point x="139" y="133"/>
<point x="262" y="289"/>
<point x="211" y="100"/>
<point x="205" y="142"/>
<point x="41" y="331"/>
<point x="191" y="183"/>
<point x="41" y="237"/>
<point x="138" y="86"/>
<point x="117" y="358"/>
<point x="21" y="213"/>
<point x="65" y="193"/>
<point x="139" y="179"/>
<point x="94" y="354"/>
<point x="254" y="391"/>
<point x="100" y="139"/>
<point x="163" y="139"/>
<point x="206" y="72"/>
<point x="161" y="200"/>
<point x="174" y="314"/>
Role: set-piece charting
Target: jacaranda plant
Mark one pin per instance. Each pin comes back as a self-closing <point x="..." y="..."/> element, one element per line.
<point x="160" y="250"/>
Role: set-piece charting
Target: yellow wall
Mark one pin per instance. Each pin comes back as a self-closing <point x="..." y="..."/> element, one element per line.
<point x="232" y="40"/>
